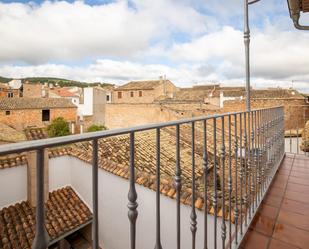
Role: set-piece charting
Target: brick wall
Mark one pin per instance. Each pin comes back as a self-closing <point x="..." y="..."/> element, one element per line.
<point x="20" y="119"/>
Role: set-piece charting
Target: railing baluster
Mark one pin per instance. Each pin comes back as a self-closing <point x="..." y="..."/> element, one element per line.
<point x="132" y="195"/>
<point x="249" y="166"/>
<point x="158" y="208"/>
<point x="253" y="162"/>
<point x="246" y="166"/>
<point x="205" y="172"/>
<point x="236" y="212"/>
<point x="178" y="184"/>
<point x="223" y="225"/>
<point x="41" y="238"/>
<point x="95" y="169"/>
<point x="193" y="211"/>
<point x="230" y="182"/>
<point x="215" y="196"/>
<point x="241" y="173"/>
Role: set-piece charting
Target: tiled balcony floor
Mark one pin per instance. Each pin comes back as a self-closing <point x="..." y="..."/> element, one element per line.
<point x="282" y="221"/>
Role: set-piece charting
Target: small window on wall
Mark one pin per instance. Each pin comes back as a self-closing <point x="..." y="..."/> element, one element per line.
<point x="7" y="113"/>
<point x="119" y="95"/>
<point x="10" y="95"/>
<point x="107" y="98"/>
<point x="45" y="115"/>
<point x="132" y="94"/>
<point x="140" y="93"/>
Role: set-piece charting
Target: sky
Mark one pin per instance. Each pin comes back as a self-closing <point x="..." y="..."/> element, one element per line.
<point x="190" y="41"/>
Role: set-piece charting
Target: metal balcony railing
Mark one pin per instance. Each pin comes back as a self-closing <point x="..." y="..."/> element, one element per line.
<point x="245" y="148"/>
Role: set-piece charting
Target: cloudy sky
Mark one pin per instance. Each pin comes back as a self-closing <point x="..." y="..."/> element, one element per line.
<point x="189" y="41"/>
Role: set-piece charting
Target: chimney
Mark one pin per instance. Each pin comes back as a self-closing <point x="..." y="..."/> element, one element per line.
<point x="31" y="175"/>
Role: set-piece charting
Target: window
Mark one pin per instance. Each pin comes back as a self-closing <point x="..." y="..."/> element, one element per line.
<point x="10" y="95"/>
<point x="45" y="115"/>
<point x="132" y="94"/>
<point x="119" y="95"/>
<point x="140" y="93"/>
<point x="7" y="113"/>
<point x="107" y="98"/>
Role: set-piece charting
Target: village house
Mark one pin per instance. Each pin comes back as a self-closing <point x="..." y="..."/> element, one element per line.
<point x="144" y="91"/>
<point x="21" y="113"/>
<point x="12" y="89"/>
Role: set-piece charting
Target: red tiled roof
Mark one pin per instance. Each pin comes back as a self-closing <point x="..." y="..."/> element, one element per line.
<point x="64" y="211"/>
<point x="62" y="92"/>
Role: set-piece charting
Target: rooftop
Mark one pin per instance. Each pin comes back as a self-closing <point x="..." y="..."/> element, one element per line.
<point x="141" y="85"/>
<point x="34" y="103"/>
<point x="65" y="211"/>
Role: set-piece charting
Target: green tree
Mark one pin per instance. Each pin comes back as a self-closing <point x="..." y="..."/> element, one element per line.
<point x="94" y="127"/>
<point x="59" y="127"/>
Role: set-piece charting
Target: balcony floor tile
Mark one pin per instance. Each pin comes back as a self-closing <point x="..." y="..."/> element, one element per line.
<point x="282" y="221"/>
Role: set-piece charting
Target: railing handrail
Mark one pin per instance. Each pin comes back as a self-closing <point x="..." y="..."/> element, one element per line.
<point x="58" y="141"/>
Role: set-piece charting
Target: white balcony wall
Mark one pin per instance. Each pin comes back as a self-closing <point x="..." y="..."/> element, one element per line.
<point x="113" y="200"/>
<point x="13" y="185"/>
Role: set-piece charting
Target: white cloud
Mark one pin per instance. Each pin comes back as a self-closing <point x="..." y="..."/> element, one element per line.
<point x="70" y="31"/>
<point x="119" y="72"/>
<point x="50" y="37"/>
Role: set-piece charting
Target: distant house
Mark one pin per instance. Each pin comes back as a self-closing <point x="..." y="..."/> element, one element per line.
<point x="13" y="89"/>
<point x="144" y="91"/>
<point x="91" y="108"/>
<point x="21" y="113"/>
<point x="66" y="94"/>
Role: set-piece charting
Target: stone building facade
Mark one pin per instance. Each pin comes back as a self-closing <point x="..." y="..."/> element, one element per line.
<point x="25" y="112"/>
<point x="144" y="91"/>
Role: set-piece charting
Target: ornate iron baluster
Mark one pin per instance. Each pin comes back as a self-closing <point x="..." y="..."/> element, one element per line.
<point x="215" y="196"/>
<point x="132" y="195"/>
<point x="230" y="180"/>
<point x="158" y="208"/>
<point x="241" y="173"/>
<point x="178" y="184"/>
<point x="223" y="225"/>
<point x="193" y="212"/>
<point x="236" y="212"/>
<point x="205" y="172"/>
<point x="246" y="166"/>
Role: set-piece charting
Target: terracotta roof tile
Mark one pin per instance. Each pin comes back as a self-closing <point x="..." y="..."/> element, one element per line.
<point x="36" y="133"/>
<point x="64" y="212"/>
<point x="141" y="85"/>
<point x="34" y="103"/>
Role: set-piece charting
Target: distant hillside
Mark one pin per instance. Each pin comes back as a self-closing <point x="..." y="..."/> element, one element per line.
<point x="4" y="80"/>
<point x="59" y="81"/>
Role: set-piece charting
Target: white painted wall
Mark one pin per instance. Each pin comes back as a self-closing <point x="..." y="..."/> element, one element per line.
<point x="59" y="174"/>
<point x="13" y="185"/>
<point x="222" y="99"/>
<point x="113" y="200"/>
<point x="113" y="219"/>
<point x="86" y="109"/>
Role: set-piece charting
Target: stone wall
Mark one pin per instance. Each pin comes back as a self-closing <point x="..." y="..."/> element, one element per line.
<point x="32" y="90"/>
<point x="144" y="96"/>
<point x="296" y="111"/>
<point x="126" y="115"/>
<point x="20" y="119"/>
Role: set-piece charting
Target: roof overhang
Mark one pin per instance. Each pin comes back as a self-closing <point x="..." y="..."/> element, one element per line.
<point x="295" y="8"/>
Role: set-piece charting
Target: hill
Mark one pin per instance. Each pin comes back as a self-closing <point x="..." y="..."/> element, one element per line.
<point x="61" y="82"/>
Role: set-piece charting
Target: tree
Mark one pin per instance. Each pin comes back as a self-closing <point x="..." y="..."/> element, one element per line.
<point x="94" y="127"/>
<point x="59" y="127"/>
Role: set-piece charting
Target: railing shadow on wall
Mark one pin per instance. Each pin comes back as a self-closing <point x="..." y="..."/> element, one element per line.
<point x="240" y="151"/>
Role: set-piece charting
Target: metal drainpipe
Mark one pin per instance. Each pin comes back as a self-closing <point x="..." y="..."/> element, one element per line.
<point x="247" y="50"/>
<point x="247" y="53"/>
